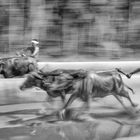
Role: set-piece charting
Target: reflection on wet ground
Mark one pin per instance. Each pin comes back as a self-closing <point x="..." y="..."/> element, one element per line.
<point x="99" y="123"/>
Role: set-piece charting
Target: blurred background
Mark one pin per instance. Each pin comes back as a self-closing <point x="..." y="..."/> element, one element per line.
<point x="72" y="30"/>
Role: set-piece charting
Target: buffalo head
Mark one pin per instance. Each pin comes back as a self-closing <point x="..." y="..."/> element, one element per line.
<point x="33" y="80"/>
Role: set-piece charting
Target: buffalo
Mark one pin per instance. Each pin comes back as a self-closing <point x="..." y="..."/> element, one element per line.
<point x="56" y="83"/>
<point x="80" y="84"/>
<point x="17" y="66"/>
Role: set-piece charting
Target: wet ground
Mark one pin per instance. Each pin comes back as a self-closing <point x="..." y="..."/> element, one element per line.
<point x="106" y="119"/>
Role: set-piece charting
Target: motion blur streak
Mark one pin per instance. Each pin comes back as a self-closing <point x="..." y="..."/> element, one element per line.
<point x="103" y="29"/>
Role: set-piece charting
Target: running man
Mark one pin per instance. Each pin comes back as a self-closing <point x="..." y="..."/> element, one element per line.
<point x="33" y="49"/>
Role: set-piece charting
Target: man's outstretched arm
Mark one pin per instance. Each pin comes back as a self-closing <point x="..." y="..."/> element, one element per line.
<point x="133" y="72"/>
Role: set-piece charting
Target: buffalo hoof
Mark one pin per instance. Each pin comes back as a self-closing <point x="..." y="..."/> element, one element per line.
<point x="66" y="114"/>
<point x="41" y="112"/>
<point x="132" y="112"/>
<point x="33" y="132"/>
<point x="135" y="104"/>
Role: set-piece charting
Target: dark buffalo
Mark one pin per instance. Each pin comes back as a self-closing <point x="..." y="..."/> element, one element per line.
<point x="76" y="82"/>
<point x="56" y="83"/>
<point x="17" y="66"/>
<point x="87" y="85"/>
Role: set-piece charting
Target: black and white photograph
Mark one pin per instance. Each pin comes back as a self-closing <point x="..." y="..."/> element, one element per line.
<point x="69" y="69"/>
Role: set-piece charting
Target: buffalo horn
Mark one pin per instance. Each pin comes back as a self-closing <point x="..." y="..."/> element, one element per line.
<point x="37" y="76"/>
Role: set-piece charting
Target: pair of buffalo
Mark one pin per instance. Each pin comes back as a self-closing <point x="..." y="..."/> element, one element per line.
<point x="80" y="84"/>
<point x="17" y="66"/>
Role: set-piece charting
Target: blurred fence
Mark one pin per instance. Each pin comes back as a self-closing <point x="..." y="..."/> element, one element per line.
<point x="97" y="27"/>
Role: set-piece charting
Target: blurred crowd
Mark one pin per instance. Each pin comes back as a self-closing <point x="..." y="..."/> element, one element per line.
<point x="102" y="28"/>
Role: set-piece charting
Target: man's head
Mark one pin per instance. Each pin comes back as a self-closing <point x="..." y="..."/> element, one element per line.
<point x="35" y="42"/>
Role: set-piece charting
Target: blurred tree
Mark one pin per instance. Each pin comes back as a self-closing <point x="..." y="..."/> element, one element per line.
<point x="4" y="23"/>
<point x="68" y="21"/>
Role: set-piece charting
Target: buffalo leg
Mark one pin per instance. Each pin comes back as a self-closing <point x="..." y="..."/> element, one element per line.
<point x="63" y="96"/>
<point x="132" y="103"/>
<point x="130" y="89"/>
<point x="62" y="111"/>
<point x="71" y="99"/>
<point x="120" y="101"/>
<point x="86" y="104"/>
<point x="49" y="99"/>
<point x="126" y="95"/>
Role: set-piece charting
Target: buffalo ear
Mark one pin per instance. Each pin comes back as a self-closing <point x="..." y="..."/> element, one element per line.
<point x="2" y="63"/>
<point x="40" y="72"/>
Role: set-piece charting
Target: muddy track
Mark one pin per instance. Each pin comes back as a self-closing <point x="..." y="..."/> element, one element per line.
<point x="78" y="124"/>
<point x="106" y="120"/>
